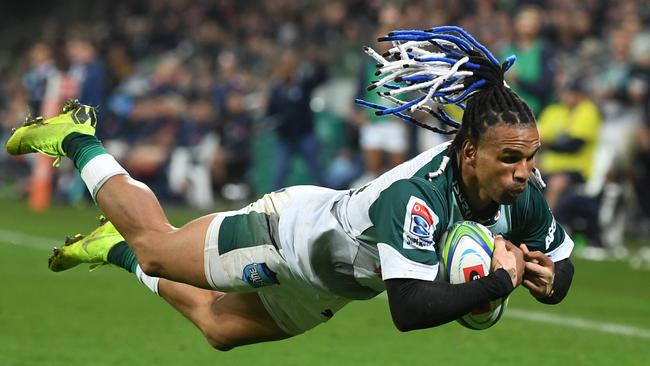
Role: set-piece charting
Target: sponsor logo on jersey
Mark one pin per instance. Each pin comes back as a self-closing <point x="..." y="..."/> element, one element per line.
<point x="551" y="234"/>
<point x="465" y="210"/>
<point x="419" y="224"/>
<point x="259" y="275"/>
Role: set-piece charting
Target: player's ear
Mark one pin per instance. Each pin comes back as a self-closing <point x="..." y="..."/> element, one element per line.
<point x="468" y="152"/>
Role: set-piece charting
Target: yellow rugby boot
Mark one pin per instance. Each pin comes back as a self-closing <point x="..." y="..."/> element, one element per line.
<point x="46" y="135"/>
<point x="92" y="249"/>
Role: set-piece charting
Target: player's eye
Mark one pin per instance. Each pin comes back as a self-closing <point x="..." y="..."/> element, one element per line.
<point x="509" y="159"/>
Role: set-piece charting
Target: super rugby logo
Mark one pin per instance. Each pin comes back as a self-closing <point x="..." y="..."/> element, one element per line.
<point x="419" y="224"/>
<point x="259" y="275"/>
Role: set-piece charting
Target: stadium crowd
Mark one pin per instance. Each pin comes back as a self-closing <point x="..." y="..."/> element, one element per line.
<point x="188" y="89"/>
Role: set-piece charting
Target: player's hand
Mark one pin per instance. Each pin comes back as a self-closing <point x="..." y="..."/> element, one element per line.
<point x="508" y="257"/>
<point x="540" y="273"/>
<point x="519" y="258"/>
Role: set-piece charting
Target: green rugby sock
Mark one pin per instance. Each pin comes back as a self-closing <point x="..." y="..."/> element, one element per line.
<point x="82" y="148"/>
<point x="122" y="256"/>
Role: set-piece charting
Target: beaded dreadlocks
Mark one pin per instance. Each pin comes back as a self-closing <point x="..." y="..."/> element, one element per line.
<point x="446" y="65"/>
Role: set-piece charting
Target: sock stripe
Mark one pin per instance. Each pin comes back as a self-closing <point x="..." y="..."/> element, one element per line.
<point x="98" y="170"/>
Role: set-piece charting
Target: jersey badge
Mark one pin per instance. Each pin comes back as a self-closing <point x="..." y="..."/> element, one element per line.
<point x="419" y="224"/>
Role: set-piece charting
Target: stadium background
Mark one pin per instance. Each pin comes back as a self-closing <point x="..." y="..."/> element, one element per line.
<point x="167" y="73"/>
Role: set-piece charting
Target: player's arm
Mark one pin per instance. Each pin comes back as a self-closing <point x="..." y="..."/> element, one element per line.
<point x="546" y="247"/>
<point x="418" y="304"/>
<point x="406" y="217"/>
<point x="547" y="281"/>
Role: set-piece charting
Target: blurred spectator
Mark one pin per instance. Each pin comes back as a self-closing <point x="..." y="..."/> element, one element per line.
<point x="640" y="167"/>
<point x="532" y="75"/>
<point x="229" y="78"/>
<point x="289" y="107"/>
<point x="87" y="69"/>
<point x="232" y="160"/>
<point x="84" y="80"/>
<point x="618" y="95"/>
<point x="42" y="70"/>
<point x="191" y="161"/>
<point x="347" y="164"/>
<point x="569" y="131"/>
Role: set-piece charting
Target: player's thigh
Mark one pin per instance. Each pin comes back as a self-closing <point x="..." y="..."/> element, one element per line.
<point x="178" y="255"/>
<point x="227" y="320"/>
<point x="229" y="247"/>
<point x="238" y="319"/>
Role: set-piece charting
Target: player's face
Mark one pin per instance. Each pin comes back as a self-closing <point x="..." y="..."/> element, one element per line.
<point x="504" y="161"/>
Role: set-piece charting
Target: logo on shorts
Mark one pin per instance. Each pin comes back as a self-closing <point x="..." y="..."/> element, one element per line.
<point x="259" y="275"/>
<point x="419" y="224"/>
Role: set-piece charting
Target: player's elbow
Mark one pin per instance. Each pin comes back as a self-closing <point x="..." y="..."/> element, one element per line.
<point x="404" y="322"/>
<point x="403" y="327"/>
<point x="408" y="318"/>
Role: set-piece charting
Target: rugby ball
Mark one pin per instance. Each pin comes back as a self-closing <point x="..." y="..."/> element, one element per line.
<point x="466" y="256"/>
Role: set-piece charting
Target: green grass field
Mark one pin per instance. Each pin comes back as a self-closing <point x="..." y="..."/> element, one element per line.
<point x="107" y="318"/>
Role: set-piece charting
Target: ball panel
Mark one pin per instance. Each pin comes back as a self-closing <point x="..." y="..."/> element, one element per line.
<point x="466" y="256"/>
<point x="474" y="231"/>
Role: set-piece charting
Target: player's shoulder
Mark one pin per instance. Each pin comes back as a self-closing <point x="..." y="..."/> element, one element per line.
<point x="405" y="192"/>
<point x="412" y="186"/>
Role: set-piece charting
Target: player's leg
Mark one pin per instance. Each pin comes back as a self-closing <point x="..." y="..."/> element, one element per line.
<point x="227" y="320"/>
<point x="164" y="251"/>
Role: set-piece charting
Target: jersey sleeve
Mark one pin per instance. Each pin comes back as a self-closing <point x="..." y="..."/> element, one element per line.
<point x="537" y="227"/>
<point x="407" y="218"/>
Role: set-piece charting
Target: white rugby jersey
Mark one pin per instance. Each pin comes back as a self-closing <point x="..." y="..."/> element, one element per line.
<point x="348" y="242"/>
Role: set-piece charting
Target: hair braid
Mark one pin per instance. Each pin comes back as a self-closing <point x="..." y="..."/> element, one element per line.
<point x="446" y="66"/>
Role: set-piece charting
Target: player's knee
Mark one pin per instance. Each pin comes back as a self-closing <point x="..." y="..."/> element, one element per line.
<point x="151" y="268"/>
<point x="145" y="250"/>
<point x="218" y="342"/>
<point x="149" y="263"/>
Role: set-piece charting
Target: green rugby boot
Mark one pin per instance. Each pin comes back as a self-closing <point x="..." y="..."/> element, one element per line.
<point x="91" y="249"/>
<point x="46" y="135"/>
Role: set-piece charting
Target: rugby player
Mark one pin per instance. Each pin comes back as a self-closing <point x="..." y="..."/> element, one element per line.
<point x="290" y="260"/>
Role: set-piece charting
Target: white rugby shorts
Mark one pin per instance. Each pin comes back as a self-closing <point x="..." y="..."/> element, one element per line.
<point x="243" y="254"/>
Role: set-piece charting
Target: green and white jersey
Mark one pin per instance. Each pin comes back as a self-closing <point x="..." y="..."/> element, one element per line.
<point x="349" y="242"/>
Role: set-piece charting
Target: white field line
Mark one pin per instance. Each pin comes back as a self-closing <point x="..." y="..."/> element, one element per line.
<point x="26" y="240"/>
<point x="42" y="243"/>
<point x="574" y="322"/>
